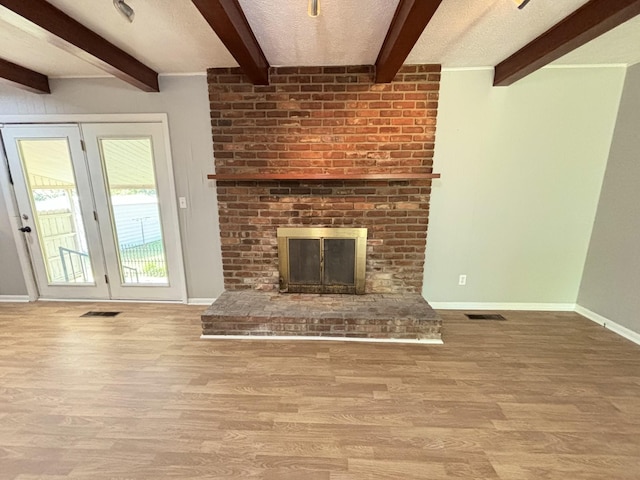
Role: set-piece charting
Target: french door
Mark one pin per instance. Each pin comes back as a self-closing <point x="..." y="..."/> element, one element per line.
<point x="98" y="215"/>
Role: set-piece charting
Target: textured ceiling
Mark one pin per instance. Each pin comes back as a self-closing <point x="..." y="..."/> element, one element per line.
<point x="347" y="32"/>
<point x="171" y="36"/>
<point x="26" y="50"/>
<point x="485" y="32"/>
<point x="620" y="45"/>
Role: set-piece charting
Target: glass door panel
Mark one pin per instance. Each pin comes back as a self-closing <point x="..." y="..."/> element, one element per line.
<point x="133" y="188"/>
<point x="53" y="193"/>
<point x="56" y="210"/>
<point x="133" y="200"/>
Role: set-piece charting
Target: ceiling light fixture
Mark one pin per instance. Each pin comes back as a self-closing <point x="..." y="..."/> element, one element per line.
<point x="314" y="8"/>
<point x="521" y="3"/>
<point x="125" y="10"/>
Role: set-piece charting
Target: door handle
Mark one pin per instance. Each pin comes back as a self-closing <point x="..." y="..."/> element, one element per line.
<point x="26" y="229"/>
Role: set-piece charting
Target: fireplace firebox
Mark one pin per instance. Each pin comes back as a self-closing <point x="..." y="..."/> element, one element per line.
<point x="322" y="260"/>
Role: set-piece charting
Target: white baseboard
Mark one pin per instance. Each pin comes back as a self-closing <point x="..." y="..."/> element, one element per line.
<point x="200" y="301"/>
<point x="609" y="324"/>
<point x="544" y="307"/>
<point x="326" y="339"/>
<point x="539" y="307"/>
<point x="25" y="298"/>
<point x="106" y="300"/>
<point x="14" y="298"/>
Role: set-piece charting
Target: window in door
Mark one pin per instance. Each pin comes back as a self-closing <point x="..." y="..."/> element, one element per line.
<point x="135" y="210"/>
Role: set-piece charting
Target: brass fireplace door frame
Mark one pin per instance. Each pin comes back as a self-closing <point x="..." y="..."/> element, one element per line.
<point x="319" y="233"/>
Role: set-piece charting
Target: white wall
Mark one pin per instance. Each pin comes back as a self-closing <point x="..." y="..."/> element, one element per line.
<point x="611" y="282"/>
<point x="522" y="168"/>
<point x="185" y="100"/>
<point x="521" y="171"/>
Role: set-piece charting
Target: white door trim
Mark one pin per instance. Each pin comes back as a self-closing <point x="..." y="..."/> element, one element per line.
<point x="16" y="223"/>
<point x="7" y="188"/>
<point x="86" y="118"/>
<point x="173" y="208"/>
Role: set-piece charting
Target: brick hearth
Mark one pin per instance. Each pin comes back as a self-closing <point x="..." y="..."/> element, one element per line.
<point x="397" y="316"/>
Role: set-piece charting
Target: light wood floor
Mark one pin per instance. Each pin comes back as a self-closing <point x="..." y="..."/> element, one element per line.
<point x="139" y="396"/>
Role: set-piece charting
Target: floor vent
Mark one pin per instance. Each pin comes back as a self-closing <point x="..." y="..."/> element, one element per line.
<point x="100" y="314"/>
<point x="484" y="316"/>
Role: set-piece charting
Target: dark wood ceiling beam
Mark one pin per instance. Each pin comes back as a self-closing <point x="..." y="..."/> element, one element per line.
<point x="46" y="22"/>
<point x="24" y="78"/>
<point x="409" y="21"/>
<point x="228" y="21"/>
<point x="588" y="22"/>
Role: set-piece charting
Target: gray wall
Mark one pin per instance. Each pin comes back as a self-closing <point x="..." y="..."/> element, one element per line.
<point x="11" y="278"/>
<point x="186" y="102"/>
<point x="522" y="169"/>
<point x="611" y="282"/>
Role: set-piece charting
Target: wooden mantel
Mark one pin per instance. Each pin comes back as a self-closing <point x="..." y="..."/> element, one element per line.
<point x="319" y="176"/>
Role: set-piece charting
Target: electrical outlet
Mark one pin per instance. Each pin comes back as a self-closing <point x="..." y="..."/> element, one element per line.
<point x="183" y="202"/>
<point x="462" y="280"/>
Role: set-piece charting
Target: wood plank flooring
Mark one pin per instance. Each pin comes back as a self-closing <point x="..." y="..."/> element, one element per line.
<point x="140" y="396"/>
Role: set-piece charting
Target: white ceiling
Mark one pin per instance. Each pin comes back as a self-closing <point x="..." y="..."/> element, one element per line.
<point x="347" y="32"/>
<point x="620" y="45"/>
<point x="171" y="36"/>
<point x="483" y="33"/>
<point x="25" y="50"/>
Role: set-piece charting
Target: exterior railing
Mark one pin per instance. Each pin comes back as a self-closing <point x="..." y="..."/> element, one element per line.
<point x="84" y="267"/>
<point x="71" y="268"/>
<point x="148" y="258"/>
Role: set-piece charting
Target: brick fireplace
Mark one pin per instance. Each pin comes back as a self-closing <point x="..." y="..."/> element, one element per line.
<point x="324" y="120"/>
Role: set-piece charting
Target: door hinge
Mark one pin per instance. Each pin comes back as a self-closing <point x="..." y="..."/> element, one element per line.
<point x="95" y="215"/>
<point x="83" y="146"/>
<point x="106" y="278"/>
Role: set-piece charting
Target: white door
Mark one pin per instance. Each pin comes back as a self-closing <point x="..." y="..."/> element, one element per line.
<point x="53" y="193"/>
<point x="100" y="224"/>
<point x="132" y="183"/>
